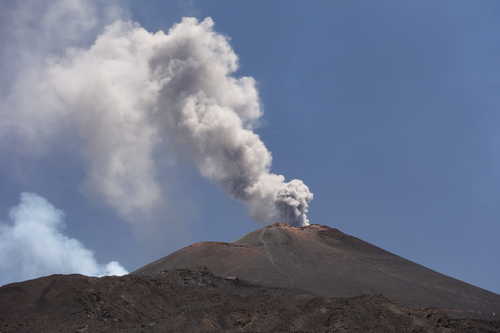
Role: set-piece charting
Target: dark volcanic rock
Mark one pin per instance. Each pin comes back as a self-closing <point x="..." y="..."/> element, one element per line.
<point x="277" y="279"/>
<point x="197" y="301"/>
<point x="327" y="262"/>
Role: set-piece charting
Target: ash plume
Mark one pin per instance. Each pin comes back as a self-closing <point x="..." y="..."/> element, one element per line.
<point x="212" y="113"/>
<point x="132" y="94"/>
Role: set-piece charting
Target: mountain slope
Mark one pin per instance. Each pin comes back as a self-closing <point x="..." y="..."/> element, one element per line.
<point x="327" y="262"/>
<point x="198" y="301"/>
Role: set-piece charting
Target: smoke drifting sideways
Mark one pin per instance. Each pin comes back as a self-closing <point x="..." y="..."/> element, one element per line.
<point x="133" y="94"/>
<point x="32" y="244"/>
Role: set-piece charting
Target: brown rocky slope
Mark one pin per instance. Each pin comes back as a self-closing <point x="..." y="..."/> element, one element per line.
<point x="197" y="301"/>
<point x="276" y="279"/>
<point x="324" y="261"/>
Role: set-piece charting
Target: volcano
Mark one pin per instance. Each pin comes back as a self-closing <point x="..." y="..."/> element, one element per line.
<point x="276" y="279"/>
<point x="327" y="262"/>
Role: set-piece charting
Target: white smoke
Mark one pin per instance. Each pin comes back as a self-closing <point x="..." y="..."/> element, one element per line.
<point x="133" y="93"/>
<point x="32" y="244"/>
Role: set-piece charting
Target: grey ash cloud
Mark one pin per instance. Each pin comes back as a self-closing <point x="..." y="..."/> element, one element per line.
<point x="132" y="93"/>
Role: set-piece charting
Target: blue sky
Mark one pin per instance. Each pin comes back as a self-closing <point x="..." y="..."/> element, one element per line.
<point x="387" y="110"/>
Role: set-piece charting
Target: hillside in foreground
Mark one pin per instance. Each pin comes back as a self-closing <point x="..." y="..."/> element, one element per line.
<point x="198" y="301"/>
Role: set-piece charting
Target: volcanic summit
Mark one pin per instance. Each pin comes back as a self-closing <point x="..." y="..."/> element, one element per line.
<point x="327" y="262"/>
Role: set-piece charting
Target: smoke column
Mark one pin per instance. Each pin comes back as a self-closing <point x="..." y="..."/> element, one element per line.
<point x="213" y="113"/>
<point x="133" y="93"/>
